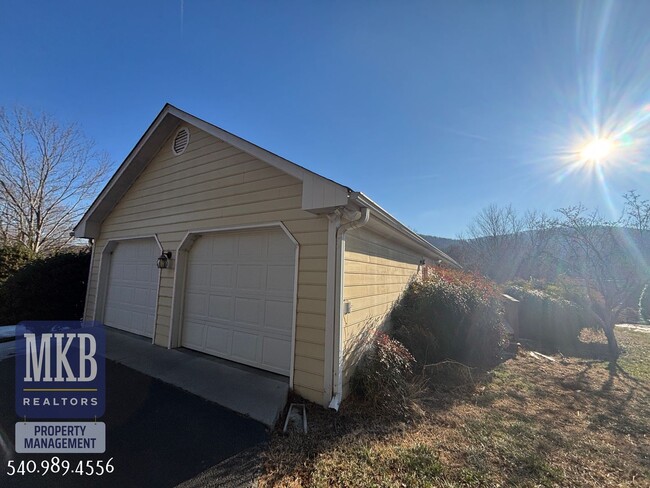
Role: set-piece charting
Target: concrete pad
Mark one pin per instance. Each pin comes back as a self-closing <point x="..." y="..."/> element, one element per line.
<point x="249" y="391"/>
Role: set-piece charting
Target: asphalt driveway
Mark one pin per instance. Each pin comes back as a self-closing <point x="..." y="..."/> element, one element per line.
<point x="158" y="435"/>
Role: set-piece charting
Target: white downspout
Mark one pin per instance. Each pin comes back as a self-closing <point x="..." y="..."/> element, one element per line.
<point x="337" y="383"/>
<point x="334" y="222"/>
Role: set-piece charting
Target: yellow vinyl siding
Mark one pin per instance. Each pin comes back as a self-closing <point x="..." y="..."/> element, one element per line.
<point x="212" y="185"/>
<point x="377" y="270"/>
<point x="90" y="294"/>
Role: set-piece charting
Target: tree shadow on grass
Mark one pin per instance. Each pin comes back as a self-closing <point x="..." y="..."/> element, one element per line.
<point x="597" y="351"/>
<point x="520" y="420"/>
<point x="617" y="403"/>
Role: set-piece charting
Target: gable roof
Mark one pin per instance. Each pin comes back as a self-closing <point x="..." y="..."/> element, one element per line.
<point x="320" y="194"/>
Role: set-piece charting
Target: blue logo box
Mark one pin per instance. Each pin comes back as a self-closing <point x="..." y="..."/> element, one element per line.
<point x="60" y="370"/>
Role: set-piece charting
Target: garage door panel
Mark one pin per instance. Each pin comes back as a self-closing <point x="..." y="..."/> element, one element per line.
<point x="194" y="333"/>
<point x="118" y="294"/>
<point x="276" y="354"/>
<point x="244" y="346"/>
<point x="218" y="340"/>
<point x="140" y="317"/>
<point x="144" y="272"/>
<point x="132" y="287"/>
<point x="130" y="273"/>
<point x="155" y="274"/>
<point x="221" y="275"/>
<point x="278" y="250"/>
<point x="248" y="311"/>
<point x="143" y="250"/>
<point x="224" y="248"/>
<point x="200" y="275"/>
<point x="251" y="277"/>
<point x="278" y="316"/>
<point x="280" y="280"/>
<point x="153" y="299"/>
<point x="197" y="303"/>
<point x="202" y="251"/>
<point x="116" y="271"/>
<point x="114" y="316"/>
<point x="249" y="316"/>
<point x="143" y="295"/>
<point x="252" y="246"/>
<point x="222" y="307"/>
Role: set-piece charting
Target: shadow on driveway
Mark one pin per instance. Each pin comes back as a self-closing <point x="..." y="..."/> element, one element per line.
<point x="157" y="434"/>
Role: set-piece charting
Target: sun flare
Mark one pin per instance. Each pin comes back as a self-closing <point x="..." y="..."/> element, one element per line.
<point x="597" y="150"/>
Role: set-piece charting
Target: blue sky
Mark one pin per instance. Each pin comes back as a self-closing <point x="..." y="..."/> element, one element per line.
<point x="433" y="109"/>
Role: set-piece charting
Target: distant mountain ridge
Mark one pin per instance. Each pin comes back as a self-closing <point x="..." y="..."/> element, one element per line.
<point x="481" y="255"/>
<point x="442" y="243"/>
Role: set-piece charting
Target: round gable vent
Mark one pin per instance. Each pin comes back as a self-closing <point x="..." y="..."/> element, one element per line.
<point x="181" y="140"/>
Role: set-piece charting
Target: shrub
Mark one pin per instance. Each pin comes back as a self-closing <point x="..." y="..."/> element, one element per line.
<point x="572" y="290"/>
<point x="12" y="258"/>
<point x="546" y="317"/>
<point x="451" y="315"/>
<point x="382" y="377"/>
<point x="51" y="288"/>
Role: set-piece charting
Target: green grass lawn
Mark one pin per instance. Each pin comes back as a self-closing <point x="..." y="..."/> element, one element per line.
<point x="530" y="422"/>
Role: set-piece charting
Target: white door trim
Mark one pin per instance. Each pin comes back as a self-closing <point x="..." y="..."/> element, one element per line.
<point x="178" y="291"/>
<point x="104" y="272"/>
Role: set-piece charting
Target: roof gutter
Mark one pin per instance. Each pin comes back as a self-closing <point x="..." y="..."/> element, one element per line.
<point x="363" y="201"/>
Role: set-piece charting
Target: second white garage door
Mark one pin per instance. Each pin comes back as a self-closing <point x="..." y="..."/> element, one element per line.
<point x="239" y="297"/>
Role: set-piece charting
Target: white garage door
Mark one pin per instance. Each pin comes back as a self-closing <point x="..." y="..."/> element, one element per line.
<point x="132" y="287"/>
<point x="239" y="298"/>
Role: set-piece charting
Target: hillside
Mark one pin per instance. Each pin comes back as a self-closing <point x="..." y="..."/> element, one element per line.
<point x="442" y="243"/>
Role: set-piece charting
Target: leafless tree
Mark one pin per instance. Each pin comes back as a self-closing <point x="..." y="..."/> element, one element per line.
<point x="504" y="245"/>
<point x="539" y="240"/>
<point x="636" y="212"/>
<point x="4" y="224"/>
<point x="637" y="217"/>
<point x="492" y="241"/>
<point x="48" y="174"/>
<point x="610" y="258"/>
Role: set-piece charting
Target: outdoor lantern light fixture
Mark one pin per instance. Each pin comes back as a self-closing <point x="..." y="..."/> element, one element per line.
<point x="163" y="260"/>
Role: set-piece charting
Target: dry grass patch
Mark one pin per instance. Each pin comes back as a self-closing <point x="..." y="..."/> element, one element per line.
<point x="530" y="422"/>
